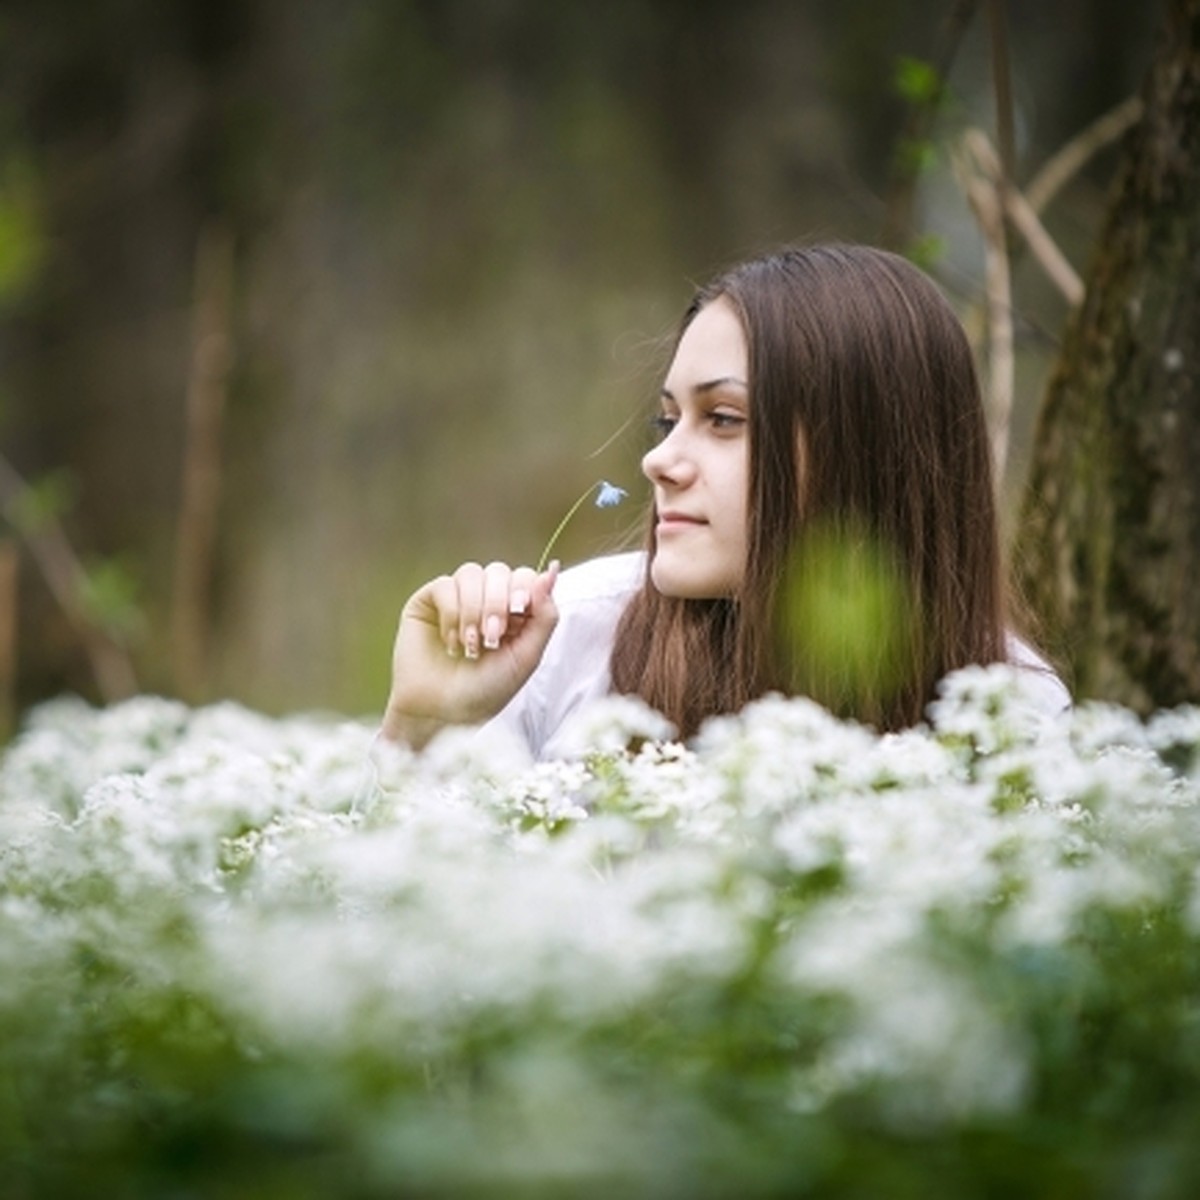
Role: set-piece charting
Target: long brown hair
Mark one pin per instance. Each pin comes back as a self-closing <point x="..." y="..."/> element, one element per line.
<point x="867" y="433"/>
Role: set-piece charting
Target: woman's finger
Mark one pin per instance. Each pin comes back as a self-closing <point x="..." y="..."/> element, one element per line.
<point x="497" y="590"/>
<point x="477" y="607"/>
<point x="469" y="581"/>
<point x="520" y="591"/>
<point x="441" y="594"/>
<point x="528" y="642"/>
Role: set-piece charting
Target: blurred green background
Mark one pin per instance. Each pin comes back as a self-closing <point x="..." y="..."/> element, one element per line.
<point x="420" y="258"/>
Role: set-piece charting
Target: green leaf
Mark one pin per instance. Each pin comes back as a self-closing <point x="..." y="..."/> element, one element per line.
<point x="109" y="594"/>
<point x="926" y="250"/>
<point x="844" y="615"/>
<point x="916" y="155"/>
<point x="42" y="502"/>
<point x="22" y="241"/>
<point x="917" y="81"/>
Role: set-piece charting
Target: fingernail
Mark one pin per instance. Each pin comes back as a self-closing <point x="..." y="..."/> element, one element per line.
<point x="518" y="602"/>
<point x="491" y="633"/>
<point x="471" y="638"/>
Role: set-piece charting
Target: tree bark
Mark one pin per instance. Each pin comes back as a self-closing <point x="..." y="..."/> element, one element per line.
<point x="1109" y="551"/>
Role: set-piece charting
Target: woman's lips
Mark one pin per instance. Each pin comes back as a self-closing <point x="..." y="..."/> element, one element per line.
<point x="669" y="520"/>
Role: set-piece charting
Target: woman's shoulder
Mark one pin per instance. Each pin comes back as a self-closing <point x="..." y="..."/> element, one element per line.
<point x="608" y="578"/>
<point x="1042" y="679"/>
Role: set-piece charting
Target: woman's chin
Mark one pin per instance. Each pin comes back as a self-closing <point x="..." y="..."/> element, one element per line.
<point x="664" y="579"/>
<point x="681" y="584"/>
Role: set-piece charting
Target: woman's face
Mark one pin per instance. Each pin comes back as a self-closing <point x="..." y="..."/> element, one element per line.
<point x="700" y="469"/>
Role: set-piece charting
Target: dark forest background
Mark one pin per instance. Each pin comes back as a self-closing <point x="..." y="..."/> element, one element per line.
<point x="418" y="260"/>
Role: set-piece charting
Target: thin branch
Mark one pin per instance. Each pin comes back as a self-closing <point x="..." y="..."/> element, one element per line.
<point x="998" y="285"/>
<point x="205" y="407"/>
<point x="1002" y="89"/>
<point x="1018" y="209"/>
<point x="1068" y="160"/>
<point x="66" y="577"/>
<point x="1045" y="249"/>
<point x="898" y="218"/>
<point x="987" y="205"/>
<point x="8" y="637"/>
<point x="991" y="194"/>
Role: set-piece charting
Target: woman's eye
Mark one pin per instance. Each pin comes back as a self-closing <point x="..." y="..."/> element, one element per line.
<point x="725" y="420"/>
<point x="662" y="424"/>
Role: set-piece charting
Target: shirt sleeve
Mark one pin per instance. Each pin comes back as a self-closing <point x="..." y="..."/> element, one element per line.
<point x="574" y="669"/>
<point x="1045" y="686"/>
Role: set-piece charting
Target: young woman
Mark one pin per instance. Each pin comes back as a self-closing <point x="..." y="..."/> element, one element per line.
<point x="821" y="432"/>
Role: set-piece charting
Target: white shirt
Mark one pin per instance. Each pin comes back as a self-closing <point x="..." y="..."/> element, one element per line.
<point x="574" y="669"/>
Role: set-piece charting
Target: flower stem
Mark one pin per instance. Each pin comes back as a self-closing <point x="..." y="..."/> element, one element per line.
<point x="541" y="566"/>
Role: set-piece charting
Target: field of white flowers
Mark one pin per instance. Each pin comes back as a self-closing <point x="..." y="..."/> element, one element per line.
<point x="250" y="957"/>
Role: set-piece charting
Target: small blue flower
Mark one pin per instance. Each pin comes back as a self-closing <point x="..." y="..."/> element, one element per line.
<point x="610" y="495"/>
<point x="607" y="496"/>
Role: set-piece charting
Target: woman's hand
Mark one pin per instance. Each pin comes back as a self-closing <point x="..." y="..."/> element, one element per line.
<point x="467" y="643"/>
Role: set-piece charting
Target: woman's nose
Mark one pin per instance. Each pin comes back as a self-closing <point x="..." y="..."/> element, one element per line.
<point x="667" y="462"/>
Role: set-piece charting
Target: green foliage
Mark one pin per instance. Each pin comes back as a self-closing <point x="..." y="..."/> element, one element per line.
<point x="845" y="612"/>
<point x="926" y="250"/>
<point x="792" y="958"/>
<point x="22" y="241"/>
<point x="917" y="81"/>
<point x="924" y="91"/>
<point x="42" y="502"/>
<point x="109" y="593"/>
<point x="915" y="156"/>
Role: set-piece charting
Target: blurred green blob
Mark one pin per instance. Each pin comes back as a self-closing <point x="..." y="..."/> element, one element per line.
<point x="109" y="593"/>
<point x="916" y="155"/>
<point x="926" y="251"/>
<point x="917" y="81"/>
<point x="42" y="502"/>
<point x="847" y="618"/>
<point x="22" y="243"/>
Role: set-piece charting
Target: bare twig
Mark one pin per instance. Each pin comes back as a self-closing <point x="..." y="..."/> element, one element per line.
<point x="1045" y="249"/>
<point x="1002" y="89"/>
<point x="1067" y="161"/>
<point x="66" y="577"/>
<point x="987" y="205"/>
<point x="1018" y="209"/>
<point x="992" y="195"/>
<point x="998" y="285"/>
<point x="205" y="408"/>
<point x="8" y="637"/>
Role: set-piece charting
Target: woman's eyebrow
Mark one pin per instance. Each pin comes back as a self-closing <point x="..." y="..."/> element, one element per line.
<point x="709" y="386"/>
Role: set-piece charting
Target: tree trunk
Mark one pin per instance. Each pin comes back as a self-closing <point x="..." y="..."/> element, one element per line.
<point x="1109" y="551"/>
